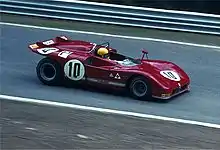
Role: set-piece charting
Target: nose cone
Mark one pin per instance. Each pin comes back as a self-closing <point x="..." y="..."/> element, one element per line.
<point x="167" y="73"/>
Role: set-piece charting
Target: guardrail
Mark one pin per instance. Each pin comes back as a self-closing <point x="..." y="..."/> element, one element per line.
<point x="115" y="14"/>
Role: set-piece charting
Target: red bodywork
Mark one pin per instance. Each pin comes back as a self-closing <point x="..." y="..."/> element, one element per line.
<point x="107" y="72"/>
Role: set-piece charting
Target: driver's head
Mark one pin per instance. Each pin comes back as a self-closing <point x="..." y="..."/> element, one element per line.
<point x="103" y="52"/>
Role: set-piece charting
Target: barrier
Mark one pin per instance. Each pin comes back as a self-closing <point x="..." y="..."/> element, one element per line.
<point x="115" y="14"/>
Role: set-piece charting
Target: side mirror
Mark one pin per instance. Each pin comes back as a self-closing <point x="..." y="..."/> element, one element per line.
<point x="61" y="38"/>
<point x="145" y="52"/>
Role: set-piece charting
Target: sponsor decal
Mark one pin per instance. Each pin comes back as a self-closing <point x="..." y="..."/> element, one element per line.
<point x="117" y="76"/>
<point x="64" y="54"/>
<point x="33" y="46"/>
<point x="111" y="75"/>
<point x="49" y="42"/>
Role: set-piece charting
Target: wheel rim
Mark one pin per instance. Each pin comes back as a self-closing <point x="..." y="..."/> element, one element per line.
<point x="48" y="71"/>
<point x="140" y="88"/>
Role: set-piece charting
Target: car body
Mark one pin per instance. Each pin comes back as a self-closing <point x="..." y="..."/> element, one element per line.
<point x="76" y="60"/>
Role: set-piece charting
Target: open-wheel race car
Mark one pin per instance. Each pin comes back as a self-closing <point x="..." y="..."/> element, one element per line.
<point x="101" y="65"/>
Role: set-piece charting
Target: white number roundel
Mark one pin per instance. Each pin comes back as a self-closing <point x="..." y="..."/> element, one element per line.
<point x="74" y="69"/>
<point x="169" y="74"/>
<point x="47" y="50"/>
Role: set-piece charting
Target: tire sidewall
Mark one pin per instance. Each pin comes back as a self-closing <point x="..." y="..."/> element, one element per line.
<point x="56" y="80"/>
<point x="147" y="95"/>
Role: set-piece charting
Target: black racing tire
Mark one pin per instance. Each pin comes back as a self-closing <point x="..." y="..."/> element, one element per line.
<point x="140" y="88"/>
<point x="49" y="72"/>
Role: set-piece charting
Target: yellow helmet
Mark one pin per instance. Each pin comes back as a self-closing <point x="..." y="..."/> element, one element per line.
<point x="103" y="52"/>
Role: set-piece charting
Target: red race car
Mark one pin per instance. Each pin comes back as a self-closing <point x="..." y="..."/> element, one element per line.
<point x="101" y="65"/>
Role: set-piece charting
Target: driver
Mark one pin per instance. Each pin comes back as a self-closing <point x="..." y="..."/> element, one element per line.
<point x="103" y="52"/>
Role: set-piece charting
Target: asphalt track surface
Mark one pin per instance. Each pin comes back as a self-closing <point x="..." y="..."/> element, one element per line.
<point x="18" y="77"/>
<point x="28" y="126"/>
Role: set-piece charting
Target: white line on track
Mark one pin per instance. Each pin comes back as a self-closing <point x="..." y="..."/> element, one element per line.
<point x="113" y="35"/>
<point x="104" y="110"/>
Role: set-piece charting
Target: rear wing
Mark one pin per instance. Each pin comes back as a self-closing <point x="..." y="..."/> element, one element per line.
<point x="48" y="43"/>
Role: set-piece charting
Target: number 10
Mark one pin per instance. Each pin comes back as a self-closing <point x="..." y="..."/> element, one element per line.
<point x="75" y="69"/>
<point x="169" y="74"/>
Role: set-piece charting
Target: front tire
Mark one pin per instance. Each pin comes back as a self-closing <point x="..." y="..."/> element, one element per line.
<point x="49" y="71"/>
<point x="140" y="88"/>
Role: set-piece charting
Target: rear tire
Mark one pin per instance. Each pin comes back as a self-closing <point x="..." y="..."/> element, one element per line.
<point x="140" y="88"/>
<point x="49" y="71"/>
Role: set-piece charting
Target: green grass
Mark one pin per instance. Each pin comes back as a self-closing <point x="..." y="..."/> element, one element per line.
<point x="113" y="29"/>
